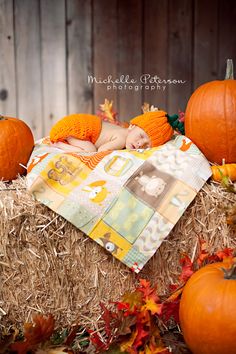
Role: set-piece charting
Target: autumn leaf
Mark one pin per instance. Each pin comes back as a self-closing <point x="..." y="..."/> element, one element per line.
<point x="97" y="340"/>
<point x="147" y="108"/>
<point x="225" y="253"/>
<point x="171" y="310"/>
<point x="187" y="269"/>
<point x="107" y="113"/>
<point x="114" y="349"/>
<point x="175" y="295"/>
<point x="156" y="350"/>
<point x="147" y="291"/>
<point x="72" y="335"/>
<point x="127" y="344"/>
<point x="130" y="302"/>
<point x="203" y="253"/>
<point x="152" y="306"/>
<point x="141" y="335"/>
<point x="155" y="344"/>
<point x="126" y="324"/>
<point x="35" y="333"/>
<point x="107" y="318"/>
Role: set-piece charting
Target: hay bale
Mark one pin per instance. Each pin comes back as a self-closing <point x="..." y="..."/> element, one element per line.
<point x="48" y="266"/>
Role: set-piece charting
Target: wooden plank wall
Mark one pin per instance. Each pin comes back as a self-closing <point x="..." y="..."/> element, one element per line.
<point x="49" y="48"/>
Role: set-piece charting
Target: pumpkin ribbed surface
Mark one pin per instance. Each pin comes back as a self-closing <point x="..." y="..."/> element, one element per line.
<point x="210" y="120"/>
<point x="16" y="146"/>
<point x="208" y="311"/>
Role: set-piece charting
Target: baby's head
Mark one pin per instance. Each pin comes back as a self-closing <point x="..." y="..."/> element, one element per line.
<point x="137" y="138"/>
<point x="149" y="130"/>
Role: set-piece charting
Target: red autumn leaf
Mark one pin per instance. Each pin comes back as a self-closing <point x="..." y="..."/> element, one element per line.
<point x="130" y="303"/>
<point x="141" y="335"/>
<point x="147" y="291"/>
<point x="225" y="253"/>
<point x="107" y="317"/>
<point x="175" y="295"/>
<point x="170" y="310"/>
<point x="221" y="255"/>
<point x="144" y="317"/>
<point x="97" y="340"/>
<point x="35" y="333"/>
<point x="203" y="254"/>
<point x="124" y="306"/>
<point x="187" y="269"/>
<point x="72" y="335"/>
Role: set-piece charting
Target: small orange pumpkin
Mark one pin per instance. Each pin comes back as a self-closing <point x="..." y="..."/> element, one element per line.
<point x="207" y="309"/>
<point x="228" y="170"/>
<point x="210" y="118"/>
<point x="16" y="145"/>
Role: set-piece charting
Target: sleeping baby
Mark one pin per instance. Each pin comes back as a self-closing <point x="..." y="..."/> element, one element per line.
<point x="86" y="132"/>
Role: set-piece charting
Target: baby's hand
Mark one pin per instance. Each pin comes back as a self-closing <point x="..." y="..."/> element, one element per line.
<point x="118" y="143"/>
<point x="103" y="148"/>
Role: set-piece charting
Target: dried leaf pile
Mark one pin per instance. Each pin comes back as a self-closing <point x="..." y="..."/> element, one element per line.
<point x="49" y="267"/>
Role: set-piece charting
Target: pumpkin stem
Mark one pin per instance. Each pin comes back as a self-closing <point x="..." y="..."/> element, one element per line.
<point x="230" y="273"/>
<point x="2" y="117"/>
<point x="176" y="123"/>
<point x="229" y="70"/>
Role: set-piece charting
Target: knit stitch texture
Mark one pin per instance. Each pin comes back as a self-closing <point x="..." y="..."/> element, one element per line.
<point x="80" y="126"/>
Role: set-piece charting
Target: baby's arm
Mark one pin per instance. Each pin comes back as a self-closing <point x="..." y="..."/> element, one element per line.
<point x="82" y="144"/>
<point x="76" y="145"/>
<point x="117" y="143"/>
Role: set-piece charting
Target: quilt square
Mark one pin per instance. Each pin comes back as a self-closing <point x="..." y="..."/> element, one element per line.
<point x="77" y="215"/>
<point x="48" y="196"/>
<point x="118" y="166"/>
<point x="128" y="216"/>
<point x="64" y="172"/>
<point x="135" y="260"/>
<point x="149" y="184"/>
<point x="176" y="201"/>
<point x="153" y="235"/>
<point x="107" y="237"/>
<point x="96" y="193"/>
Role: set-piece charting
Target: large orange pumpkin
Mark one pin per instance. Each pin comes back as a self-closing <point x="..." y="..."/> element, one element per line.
<point x="210" y="118"/>
<point x="208" y="310"/>
<point x="16" y="145"/>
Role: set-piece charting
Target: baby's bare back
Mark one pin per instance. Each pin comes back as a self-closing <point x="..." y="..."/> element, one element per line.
<point x="112" y="137"/>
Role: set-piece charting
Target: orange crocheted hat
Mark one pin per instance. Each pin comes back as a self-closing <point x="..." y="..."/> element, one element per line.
<point x="156" y="125"/>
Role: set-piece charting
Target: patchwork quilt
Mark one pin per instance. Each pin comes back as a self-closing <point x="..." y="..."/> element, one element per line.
<point x="127" y="201"/>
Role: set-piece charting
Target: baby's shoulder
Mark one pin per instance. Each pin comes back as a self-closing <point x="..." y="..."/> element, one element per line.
<point x="113" y="129"/>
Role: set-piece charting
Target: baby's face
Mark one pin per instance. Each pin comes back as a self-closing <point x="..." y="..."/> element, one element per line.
<point x="137" y="138"/>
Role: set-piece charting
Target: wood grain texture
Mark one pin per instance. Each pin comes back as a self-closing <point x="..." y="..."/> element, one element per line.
<point x="105" y="49"/>
<point x="155" y="49"/>
<point x="48" y="49"/>
<point x="53" y="41"/>
<point x="180" y="54"/>
<point x="205" y="42"/>
<point x="227" y="35"/>
<point x="7" y="60"/>
<point x="28" y="66"/>
<point x="129" y="56"/>
<point x="79" y="44"/>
